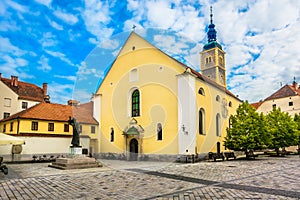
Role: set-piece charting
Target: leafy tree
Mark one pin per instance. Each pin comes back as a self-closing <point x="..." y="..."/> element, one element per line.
<point x="297" y="120"/>
<point x="283" y="129"/>
<point x="247" y="130"/>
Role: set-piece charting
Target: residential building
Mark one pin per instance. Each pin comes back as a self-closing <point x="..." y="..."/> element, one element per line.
<point x="287" y="98"/>
<point x="45" y="128"/>
<point x="16" y="95"/>
<point x="151" y="105"/>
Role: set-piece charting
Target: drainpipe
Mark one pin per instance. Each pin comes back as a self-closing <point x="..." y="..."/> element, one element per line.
<point x="18" y="127"/>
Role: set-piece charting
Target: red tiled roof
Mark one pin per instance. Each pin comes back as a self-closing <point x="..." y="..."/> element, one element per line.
<point x="56" y="112"/>
<point x="256" y="105"/>
<point x="26" y="91"/>
<point x="213" y="83"/>
<point x="285" y="91"/>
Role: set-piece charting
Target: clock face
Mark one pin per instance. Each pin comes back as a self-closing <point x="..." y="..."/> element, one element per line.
<point x="224" y="109"/>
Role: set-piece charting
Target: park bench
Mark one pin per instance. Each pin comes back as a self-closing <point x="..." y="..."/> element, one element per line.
<point x="216" y="156"/>
<point x="250" y="154"/>
<point x="229" y="155"/>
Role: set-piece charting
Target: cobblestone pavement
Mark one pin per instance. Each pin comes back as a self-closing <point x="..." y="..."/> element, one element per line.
<point x="262" y="178"/>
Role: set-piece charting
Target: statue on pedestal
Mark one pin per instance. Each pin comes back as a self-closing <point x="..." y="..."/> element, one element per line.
<point x="75" y="138"/>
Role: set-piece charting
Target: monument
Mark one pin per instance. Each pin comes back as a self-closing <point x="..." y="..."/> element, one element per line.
<point x="75" y="160"/>
<point x="75" y="149"/>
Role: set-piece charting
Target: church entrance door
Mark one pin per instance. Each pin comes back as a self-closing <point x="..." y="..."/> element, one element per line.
<point x="133" y="145"/>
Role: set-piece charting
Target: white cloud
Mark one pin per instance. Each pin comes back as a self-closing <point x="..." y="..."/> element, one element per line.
<point x="69" y="78"/>
<point x="60" y="93"/>
<point x="110" y="44"/>
<point x="66" y="17"/>
<point x="59" y="55"/>
<point x="96" y="17"/>
<point x="48" y="40"/>
<point x="18" y="7"/>
<point x="44" y="65"/>
<point x="55" y="25"/>
<point x="44" y="2"/>
<point x="7" y="47"/>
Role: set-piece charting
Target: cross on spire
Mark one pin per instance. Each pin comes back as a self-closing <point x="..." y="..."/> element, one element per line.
<point x="133" y="27"/>
<point x="211" y="15"/>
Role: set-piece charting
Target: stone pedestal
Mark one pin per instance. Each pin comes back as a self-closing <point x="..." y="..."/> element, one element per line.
<point x="75" y="162"/>
<point x="75" y="150"/>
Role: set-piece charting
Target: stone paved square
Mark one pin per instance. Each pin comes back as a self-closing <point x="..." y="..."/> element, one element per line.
<point x="263" y="178"/>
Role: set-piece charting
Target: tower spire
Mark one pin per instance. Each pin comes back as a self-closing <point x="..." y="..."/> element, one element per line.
<point x="211" y="15"/>
<point x="212" y="33"/>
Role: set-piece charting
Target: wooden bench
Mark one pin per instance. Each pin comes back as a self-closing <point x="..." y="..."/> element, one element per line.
<point x="250" y="154"/>
<point x="216" y="156"/>
<point x="229" y="155"/>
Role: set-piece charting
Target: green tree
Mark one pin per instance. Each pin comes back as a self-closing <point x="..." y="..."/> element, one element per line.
<point x="297" y="120"/>
<point x="247" y="130"/>
<point x="283" y="129"/>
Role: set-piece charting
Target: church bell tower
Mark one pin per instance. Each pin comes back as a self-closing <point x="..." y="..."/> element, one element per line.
<point x="212" y="57"/>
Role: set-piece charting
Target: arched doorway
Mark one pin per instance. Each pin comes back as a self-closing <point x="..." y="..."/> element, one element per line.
<point x="134" y="150"/>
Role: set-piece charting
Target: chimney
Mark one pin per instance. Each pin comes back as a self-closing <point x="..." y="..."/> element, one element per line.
<point x="14" y="81"/>
<point x="295" y="85"/>
<point x="73" y="103"/>
<point x="45" y="88"/>
<point x="47" y="98"/>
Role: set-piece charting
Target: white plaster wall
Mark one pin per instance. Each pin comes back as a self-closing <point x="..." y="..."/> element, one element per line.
<point x="283" y="104"/>
<point x="186" y="113"/>
<point x="45" y="145"/>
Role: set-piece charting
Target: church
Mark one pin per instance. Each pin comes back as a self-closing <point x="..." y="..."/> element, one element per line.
<point x="150" y="105"/>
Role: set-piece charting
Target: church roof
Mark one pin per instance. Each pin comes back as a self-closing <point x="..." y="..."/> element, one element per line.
<point x="147" y="44"/>
<point x="57" y="112"/>
<point x="26" y="91"/>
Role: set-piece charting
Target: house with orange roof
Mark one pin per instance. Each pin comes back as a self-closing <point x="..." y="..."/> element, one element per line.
<point x="287" y="98"/>
<point x="45" y="128"/>
<point x="16" y="95"/>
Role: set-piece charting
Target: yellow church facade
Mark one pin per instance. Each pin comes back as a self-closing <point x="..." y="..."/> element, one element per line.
<point x="149" y="104"/>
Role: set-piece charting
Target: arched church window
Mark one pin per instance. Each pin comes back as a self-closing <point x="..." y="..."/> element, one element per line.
<point x="201" y="121"/>
<point x="159" y="131"/>
<point x="135" y="102"/>
<point x="112" y="134"/>
<point x="201" y="91"/>
<point x="218" y="98"/>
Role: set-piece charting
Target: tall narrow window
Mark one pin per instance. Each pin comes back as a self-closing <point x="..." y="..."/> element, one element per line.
<point x="11" y="126"/>
<point x="6" y="115"/>
<point x="218" y="124"/>
<point x="50" y="126"/>
<point x="201" y="121"/>
<point x="34" y="126"/>
<point x="24" y="105"/>
<point x="93" y="129"/>
<point x="66" y="127"/>
<point x="159" y="131"/>
<point x="112" y="134"/>
<point x="135" y="103"/>
<point x="4" y="128"/>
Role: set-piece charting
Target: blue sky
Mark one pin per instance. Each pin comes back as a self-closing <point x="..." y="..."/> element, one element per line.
<point x="68" y="43"/>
